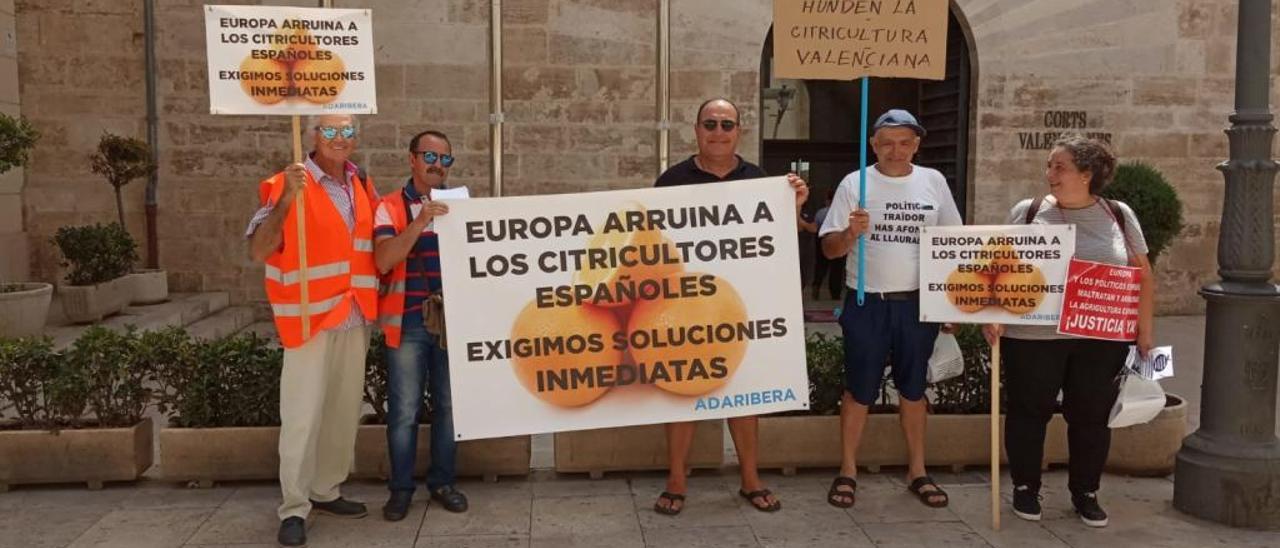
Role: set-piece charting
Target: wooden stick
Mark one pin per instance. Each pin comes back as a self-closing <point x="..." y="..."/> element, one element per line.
<point x="298" y="204"/>
<point x="995" y="435"/>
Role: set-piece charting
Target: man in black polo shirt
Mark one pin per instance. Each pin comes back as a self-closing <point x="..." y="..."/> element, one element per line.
<point x="717" y="129"/>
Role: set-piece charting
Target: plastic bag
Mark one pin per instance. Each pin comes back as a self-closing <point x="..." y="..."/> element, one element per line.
<point x="947" y="360"/>
<point x="1140" y="400"/>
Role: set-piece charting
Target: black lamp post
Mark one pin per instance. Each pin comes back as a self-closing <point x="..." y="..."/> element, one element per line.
<point x="1228" y="471"/>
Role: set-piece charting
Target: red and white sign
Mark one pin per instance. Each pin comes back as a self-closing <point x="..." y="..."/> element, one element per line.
<point x="1101" y="301"/>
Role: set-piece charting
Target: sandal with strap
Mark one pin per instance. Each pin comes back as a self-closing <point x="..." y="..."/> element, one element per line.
<point x="835" y="492"/>
<point x="762" y="494"/>
<point x="670" y="509"/>
<point x="928" y="497"/>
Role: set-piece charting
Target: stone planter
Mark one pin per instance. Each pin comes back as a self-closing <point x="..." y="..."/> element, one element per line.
<point x="23" y="312"/>
<point x="487" y="459"/>
<point x="956" y="441"/>
<point x="92" y="303"/>
<point x="1149" y="449"/>
<point x="148" y="286"/>
<point x="90" y="455"/>
<point x="634" y="448"/>
<point x="206" y="455"/>
<point x="959" y="441"/>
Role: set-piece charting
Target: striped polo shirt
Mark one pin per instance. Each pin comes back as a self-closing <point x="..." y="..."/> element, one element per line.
<point x="422" y="271"/>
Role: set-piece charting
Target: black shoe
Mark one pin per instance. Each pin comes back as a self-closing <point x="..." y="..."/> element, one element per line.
<point x="397" y="507"/>
<point x="293" y="532"/>
<point x="451" y="499"/>
<point x="1090" y="512"/>
<point x="1026" y="503"/>
<point x="342" y="508"/>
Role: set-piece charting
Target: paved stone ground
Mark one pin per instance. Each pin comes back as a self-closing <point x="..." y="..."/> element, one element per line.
<point x="553" y="510"/>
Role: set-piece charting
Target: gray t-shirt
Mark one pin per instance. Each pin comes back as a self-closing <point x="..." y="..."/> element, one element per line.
<point x="1098" y="239"/>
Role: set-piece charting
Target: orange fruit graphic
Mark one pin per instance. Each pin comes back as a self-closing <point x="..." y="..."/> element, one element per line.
<point x="319" y="81"/>
<point x="564" y="328"/>
<point x="1004" y="259"/>
<point x="650" y="240"/>
<point x="1020" y="293"/>
<point x="661" y="316"/>
<point x="263" y="79"/>
<point x="293" y="51"/>
<point x="973" y="293"/>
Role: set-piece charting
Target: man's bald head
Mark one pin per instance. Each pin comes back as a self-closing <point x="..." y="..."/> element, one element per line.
<point x="719" y="101"/>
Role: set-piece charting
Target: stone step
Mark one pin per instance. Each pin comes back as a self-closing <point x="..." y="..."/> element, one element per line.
<point x="225" y="322"/>
<point x="180" y="310"/>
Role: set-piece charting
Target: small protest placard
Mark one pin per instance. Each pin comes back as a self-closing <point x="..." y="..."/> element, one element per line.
<point x="1101" y="301"/>
<point x="849" y="39"/>
<point x="286" y="60"/>
<point x="994" y="274"/>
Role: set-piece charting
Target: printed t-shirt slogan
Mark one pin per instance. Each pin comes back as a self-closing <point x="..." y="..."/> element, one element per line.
<point x="620" y="308"/>
<point x="285" y="60"/>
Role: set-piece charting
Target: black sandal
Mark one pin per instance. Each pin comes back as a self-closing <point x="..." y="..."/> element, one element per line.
<point x="917" y="488"/>
<point x="670" y="509"/>
<point x="762" y="494"/>
<point x="842" y="481"/>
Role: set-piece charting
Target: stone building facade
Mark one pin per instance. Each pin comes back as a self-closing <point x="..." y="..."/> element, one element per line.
<point x="1156" y="75"/>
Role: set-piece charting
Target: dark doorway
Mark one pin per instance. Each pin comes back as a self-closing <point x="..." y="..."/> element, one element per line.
<point x="820" y="123"/>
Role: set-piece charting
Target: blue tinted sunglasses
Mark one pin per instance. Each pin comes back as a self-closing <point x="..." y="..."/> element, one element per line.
<point x="330" y="132"/>
<point x="430" y="157"/>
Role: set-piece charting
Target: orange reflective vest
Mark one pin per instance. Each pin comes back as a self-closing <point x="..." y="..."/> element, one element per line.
<point x="391" y="304"/>
<point x="340" y="265"/>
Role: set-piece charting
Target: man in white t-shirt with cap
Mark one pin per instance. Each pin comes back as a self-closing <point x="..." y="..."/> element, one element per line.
<point x="901" y="199"/>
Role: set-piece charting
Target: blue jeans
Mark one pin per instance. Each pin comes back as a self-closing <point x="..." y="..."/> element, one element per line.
<point x="419" y="360"/>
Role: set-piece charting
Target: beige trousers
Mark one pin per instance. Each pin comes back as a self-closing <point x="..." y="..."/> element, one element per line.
<point x="321" y="391"/>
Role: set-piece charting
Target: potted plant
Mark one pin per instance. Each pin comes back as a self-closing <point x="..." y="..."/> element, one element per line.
<point x="487" y="458"/>
<point x="121" y="160"/>
<point x="24" y="306"/>
<point x="98" y="256"/>
<point x="78" y="415"/>
<point x="223" y="401"/>
<point x="1153" y="200"/>
<point x="959" y="422"/>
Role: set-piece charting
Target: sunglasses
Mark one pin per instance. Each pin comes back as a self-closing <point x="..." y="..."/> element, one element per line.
<point x="430" y="157"/>
<point x="725" y="125"/>
<point x="330" y="132"/>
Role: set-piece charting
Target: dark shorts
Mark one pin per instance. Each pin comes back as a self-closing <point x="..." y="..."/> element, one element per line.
<point x="885" y="332"/>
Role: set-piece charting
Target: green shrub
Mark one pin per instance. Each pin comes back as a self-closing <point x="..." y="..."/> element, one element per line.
<point x="825" y="362"/>
<point x="17" y="138"/>
<point x="375" y="377"/>
<point x="232" y="381"/>
<point x="1153" y="200"/>
<point x="103" y="363"/>
<point x="35" y="387"/>
<point x="96" y="253"/>
<point x="121" y="160"/>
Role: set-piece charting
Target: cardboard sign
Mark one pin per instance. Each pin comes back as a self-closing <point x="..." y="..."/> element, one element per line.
<point x="994" y="274"/>
<point x="285" y="60"/>
<point x="849" y="39"/>
<point x="620" y="308"/>
<point x="1101" y="301"/>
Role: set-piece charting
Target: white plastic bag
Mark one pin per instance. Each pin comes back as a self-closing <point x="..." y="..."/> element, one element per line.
<point x="1140" y="400"/>
<point x="947" y="360"/>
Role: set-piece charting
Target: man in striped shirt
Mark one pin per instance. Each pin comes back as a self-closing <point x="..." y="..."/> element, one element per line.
<point x="408" y="250"/>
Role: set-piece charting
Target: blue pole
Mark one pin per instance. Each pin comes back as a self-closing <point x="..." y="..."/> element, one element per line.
<point x="862" y="194"/>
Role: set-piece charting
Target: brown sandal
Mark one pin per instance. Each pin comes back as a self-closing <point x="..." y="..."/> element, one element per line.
<point x="917" y="488"/>
<point x="834" y="492"/>
<point x="670" y="509"/>
<point x="762" y="494"/>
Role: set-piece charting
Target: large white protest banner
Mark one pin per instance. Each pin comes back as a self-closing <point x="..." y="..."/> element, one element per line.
<point x="1012" y="274"/>
<point x="619" y="308"/>
<point x="287" y="60"/>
